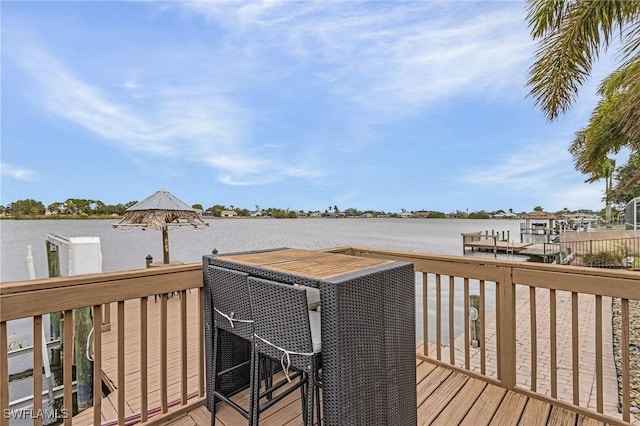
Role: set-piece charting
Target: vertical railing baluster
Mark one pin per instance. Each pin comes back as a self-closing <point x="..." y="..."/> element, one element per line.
<point x="121" y="390"/>
<point x="37" y="369"/>
<point x="183" y="345"/>
<point x="106" y="324"/>
<point x="534" y="338"/>
<point x="201" y="376"/>
<point x="144" y="399"/>
<point x="425" y="313"/>
<point x="599" y="371"/>
<point x="553" y="343"/>
<point x="438" y="319"/>
<point x="452" y="336"/>
<point x="97" y="364"/>
<point x="575" y="349"/>
<point x="465" y="296"/>
<point x="67" y="378"/>
<point x="498" y="323"/>
<point x="624" y="325"/>
<point x="481" y="339"/>
<point x="4" y="372"/>
<point x="163" y="353"/>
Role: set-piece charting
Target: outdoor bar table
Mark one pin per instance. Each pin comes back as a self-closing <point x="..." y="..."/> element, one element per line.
<point x="368" y="328"/>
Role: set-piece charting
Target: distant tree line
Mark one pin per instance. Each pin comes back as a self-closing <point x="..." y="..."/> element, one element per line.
<point x="75" y="207"/>
<point x="70" y="207"/>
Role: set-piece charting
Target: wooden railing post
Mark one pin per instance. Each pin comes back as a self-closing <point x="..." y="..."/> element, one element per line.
<point x="507" y="336"/>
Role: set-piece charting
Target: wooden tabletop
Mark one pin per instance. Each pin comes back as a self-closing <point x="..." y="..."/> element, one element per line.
<point x="307" y="263"/>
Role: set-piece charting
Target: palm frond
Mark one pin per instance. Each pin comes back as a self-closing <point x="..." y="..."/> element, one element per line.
<point x="571" y="39"/>
<point x="544" y="16"/>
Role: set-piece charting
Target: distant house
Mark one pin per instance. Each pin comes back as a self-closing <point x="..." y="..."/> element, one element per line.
<point x="632" y="214"/>
<point x="257" y="213"/>
<point x="315" y="214"/>
<point x="201" y="212"/>
<point x="228" y="213"/>
<point x="406" y="214"/>
<point x="504" y="216"/>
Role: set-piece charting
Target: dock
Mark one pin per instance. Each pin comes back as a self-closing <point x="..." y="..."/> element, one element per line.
<point x="491" y="242"/>
<point x="547" y="252"/>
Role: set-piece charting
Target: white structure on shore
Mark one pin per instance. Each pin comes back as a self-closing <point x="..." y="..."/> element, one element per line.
<point x="632" y="214"/>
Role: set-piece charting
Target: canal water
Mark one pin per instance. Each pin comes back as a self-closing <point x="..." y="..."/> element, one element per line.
<point x="127" y="249"/>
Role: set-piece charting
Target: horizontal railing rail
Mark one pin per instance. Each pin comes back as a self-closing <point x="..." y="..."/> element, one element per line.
<point x="530" y="326"/>
<point x="156" y="350"/>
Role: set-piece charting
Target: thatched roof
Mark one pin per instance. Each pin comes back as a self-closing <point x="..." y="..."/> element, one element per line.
<point x="539" y="215"/>
<point x="160" y="211"/>
<point x="161" y="200"/>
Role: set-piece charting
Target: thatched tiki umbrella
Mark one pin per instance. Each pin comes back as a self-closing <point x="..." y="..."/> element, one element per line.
<point x="161" y="211"/>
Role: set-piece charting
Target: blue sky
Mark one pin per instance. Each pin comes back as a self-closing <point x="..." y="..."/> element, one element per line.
<point x="300" y="105"/>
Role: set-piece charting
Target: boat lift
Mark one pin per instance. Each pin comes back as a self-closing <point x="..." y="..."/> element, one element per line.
<point x="85" y="257"/>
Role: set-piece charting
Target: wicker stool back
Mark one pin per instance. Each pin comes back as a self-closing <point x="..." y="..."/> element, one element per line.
<point x="232" y="338"/>
<point x="232" y="368"/>
<point x="283" y="332"/>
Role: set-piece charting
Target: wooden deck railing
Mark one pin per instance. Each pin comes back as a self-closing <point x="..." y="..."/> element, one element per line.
<point x="33" y="299"/>
<point x="514" y="325"/>
<point x="521" y="343"/>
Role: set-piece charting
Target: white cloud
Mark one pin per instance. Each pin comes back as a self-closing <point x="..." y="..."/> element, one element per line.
<point x="542" y="171"/>
<point x="196" y="124"/>
<point x="16" y="172"/>
<point x="385" y="56"/>
<point x="576" y="196"/>
<point x="533" y="167"/>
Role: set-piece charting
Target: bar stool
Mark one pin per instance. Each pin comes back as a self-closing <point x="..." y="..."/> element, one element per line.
<point x="287" y="330"/>
<point x="233" y="350"/>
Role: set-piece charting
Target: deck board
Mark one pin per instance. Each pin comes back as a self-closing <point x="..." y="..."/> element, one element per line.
<point x="438" y="401"/>
<point x="485" y="406"/>
<point x="431" y="382"/>
<point x="461" y="403"/>
<point x="561" y="417"/>
<point x="536" y="412"/>
<point x="510" y="410"/>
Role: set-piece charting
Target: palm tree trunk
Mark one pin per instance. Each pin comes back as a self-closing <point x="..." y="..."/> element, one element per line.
<point x="165" y="245"/>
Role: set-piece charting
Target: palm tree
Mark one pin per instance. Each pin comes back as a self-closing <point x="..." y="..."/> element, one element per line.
<point x="571" y="34"/>
<point x="627" y="180"/>
<point x="590" y="149"/>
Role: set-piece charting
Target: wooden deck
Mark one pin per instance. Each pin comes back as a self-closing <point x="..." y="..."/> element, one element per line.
<point x="445" y="397"/>
<point x="558" y="361"/>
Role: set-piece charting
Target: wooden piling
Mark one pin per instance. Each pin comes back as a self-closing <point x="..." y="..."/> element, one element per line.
<point x="165" y="245"/>
<point x="83" y="324"/>
<point x="53" y="262"/>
